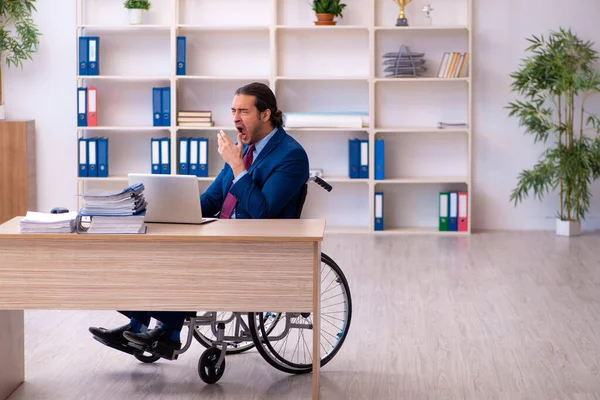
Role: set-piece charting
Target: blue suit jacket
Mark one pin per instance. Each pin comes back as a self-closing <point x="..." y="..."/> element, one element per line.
<point x="270" y="189"/>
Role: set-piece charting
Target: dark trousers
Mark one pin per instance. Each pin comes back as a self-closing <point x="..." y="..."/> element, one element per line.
<point x="173" y="319"/>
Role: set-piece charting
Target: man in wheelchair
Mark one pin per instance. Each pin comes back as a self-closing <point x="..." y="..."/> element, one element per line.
<point x="264" y="175"/>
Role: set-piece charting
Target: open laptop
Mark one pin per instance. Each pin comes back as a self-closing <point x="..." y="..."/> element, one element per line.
<point x="171" y="198"/>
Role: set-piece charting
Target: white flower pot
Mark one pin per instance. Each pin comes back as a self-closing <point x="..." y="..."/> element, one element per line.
<point x="135" y="16"/>
<point x="2" y="115"/>
<point x="567" y="228"/>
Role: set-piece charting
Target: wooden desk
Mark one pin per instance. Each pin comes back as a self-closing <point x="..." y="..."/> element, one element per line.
<point x="227" y="265"/>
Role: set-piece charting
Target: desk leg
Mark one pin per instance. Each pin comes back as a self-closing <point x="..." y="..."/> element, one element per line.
<point x="12" y="352"/>
<point x="316" y="320"/>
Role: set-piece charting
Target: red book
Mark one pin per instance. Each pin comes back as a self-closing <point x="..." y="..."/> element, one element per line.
<point x="463" y="205"/>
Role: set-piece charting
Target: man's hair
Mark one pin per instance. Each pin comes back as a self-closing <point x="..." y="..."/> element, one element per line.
<point x="264" y="99"/>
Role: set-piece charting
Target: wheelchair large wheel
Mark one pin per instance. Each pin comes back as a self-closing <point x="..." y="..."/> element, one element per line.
<point x="288" y="346"/>
<point x="236" y="327"/>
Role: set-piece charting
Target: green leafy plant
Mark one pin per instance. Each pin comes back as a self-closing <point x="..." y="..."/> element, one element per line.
<point x="556" y="81"/>
<point x="328" y="7"/>
<point x="18" y="33"/>
<point x="138" y="4"/>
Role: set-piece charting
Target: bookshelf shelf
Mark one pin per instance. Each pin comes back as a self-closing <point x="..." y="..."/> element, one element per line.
<point x="222" y="78"/>
<point x="342" y="179"/>
<point x="420" y="130"/>
<point x="141" y="27"/>
<point x="416" y="230"/>
<point x="124" y="128"/>
<point x="127" y="78"/>
<point x="410" y="80"/>
<point x="322" y="78"/>
<point x="334" y="69"/>
<point x="421" y="28"/>
<point x="421" y="180"/>
<point x="206" y="128"/>
<point x="365" y="129"/>
<point x="228" y="28"/>
<point x="324" y="28"/>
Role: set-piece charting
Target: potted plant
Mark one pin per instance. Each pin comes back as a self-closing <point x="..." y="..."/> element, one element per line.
<point x="557" y="80"/>
<point x="326" y="10"/>
<point x="18" y="36"/>
<point x="136" y="9"/>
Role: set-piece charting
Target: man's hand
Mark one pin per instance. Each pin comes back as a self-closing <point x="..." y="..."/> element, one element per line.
<point x="231" y="153"/>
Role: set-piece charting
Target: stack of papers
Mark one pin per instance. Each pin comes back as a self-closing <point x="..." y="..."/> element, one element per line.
<point x="106" y="224"/>
<point x="116" y="212"/>
<point x="38" y="222"/>
<point x="129" y="201"/>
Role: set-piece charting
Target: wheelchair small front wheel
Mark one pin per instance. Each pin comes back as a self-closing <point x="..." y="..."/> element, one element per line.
<point x="207" y="366"/>
<point x="147" y="359"/>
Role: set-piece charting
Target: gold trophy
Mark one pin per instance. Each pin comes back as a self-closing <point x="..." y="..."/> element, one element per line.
<point x="402" y="21"/>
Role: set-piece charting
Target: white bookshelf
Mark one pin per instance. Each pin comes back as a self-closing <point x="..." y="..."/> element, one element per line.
<point x="310" y="68"/>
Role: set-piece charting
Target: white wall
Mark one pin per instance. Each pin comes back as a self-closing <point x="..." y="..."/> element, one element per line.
<point x="500" y="149"/>
<point x="45" y="91"/>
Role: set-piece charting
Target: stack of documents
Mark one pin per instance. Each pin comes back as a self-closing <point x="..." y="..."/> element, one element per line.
<point x="120" y="211"/>
<point x="108" y="224"/>
<point x="448" y="125"/>
<point x="37" y="222"/>
<point x="129" y="201"/>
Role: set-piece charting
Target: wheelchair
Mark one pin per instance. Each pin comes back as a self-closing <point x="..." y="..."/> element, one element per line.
<point x="283" y="339"/>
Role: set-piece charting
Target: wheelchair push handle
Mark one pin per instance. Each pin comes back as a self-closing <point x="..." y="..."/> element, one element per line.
<point x="321" y="183"/>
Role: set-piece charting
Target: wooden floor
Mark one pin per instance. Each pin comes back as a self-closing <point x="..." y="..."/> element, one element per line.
<point x="507" y="315"/>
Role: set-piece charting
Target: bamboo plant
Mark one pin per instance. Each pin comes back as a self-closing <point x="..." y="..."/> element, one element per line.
<point x="556" y="81"/>
<point x="18" y="34"/>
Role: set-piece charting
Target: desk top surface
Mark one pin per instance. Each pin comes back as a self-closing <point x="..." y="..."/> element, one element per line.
<point x="300" y="230"/>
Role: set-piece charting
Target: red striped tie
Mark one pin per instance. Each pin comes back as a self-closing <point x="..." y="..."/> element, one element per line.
<point x="230" y="200"/>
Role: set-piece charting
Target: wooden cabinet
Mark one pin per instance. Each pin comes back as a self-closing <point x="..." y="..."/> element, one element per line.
<point x="17" y="168"/>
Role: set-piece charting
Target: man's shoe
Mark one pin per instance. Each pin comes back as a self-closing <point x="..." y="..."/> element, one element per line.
<point x="114" y="336"/>
<point x="158" y="334"/>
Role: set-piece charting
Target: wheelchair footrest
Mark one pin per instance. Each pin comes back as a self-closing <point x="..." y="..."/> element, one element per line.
<point x="126" y="349"/>
<point x="164" y="351"/>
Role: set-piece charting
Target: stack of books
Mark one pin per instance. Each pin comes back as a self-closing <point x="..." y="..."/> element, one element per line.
<point x="38" y="222"/>
<point x="113" y="211"/>
<point x="195" y="118"/>
<point x="454" y="65"/>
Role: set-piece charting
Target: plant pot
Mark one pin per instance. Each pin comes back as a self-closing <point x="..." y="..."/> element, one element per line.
<point x="135" y="16"/>
<point x="567" y="228"/>
<point x="2" y="115"/>
<point x="325" y="19"/>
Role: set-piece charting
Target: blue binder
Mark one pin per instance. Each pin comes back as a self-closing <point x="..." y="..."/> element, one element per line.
<point x="181" y="44"/>
<point x="379" y="160"/>
<point x="83" y="55"/>
<point x="83" y="158"/>
<point x="157" y="106"/>
<point x="166" y="106"/>
<point x="165" y="155"/>
<point x="93" y="55"/>
<point x="102" y="150"/>
<point x="82" y="107"/>
<point x="364" y="159"/>
<point x="92" y="164"/>
<point x="155" y="155"/>
<point x="353" y="158"/>
<point x="378" y="211"/>
<point x="203" y="157"/>
<point x="184" y="156"/>
<point x="194" y="152"/>
<point x="453" y="211"/>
